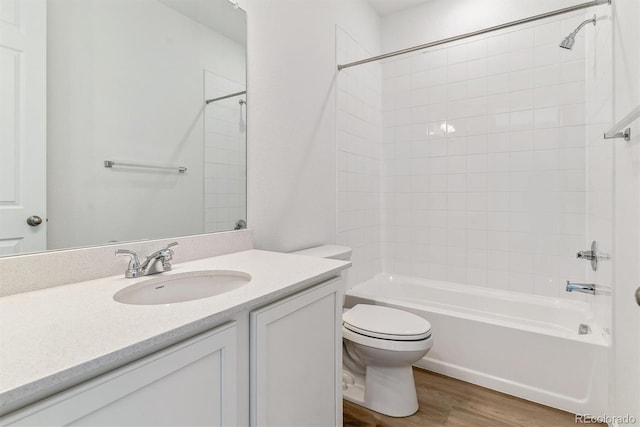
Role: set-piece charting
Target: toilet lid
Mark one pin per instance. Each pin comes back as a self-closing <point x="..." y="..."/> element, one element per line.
<point x="386" y="323"/>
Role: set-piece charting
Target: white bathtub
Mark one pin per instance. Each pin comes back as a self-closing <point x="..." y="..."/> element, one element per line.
<point x="524" y="345"/>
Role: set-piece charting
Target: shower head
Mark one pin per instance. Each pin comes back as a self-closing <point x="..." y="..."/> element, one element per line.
<point x="567" y="42"/>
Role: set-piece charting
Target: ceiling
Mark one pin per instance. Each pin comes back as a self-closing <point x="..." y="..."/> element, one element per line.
<point x="219" y="15"/>
<point x="387" y="7"/>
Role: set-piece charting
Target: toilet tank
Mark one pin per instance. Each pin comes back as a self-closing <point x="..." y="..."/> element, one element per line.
<point x="342" y="253"/>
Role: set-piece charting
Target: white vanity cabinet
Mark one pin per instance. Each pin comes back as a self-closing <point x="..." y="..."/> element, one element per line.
<point x="277" y="365"/>
<point x="190" y="383"/>
<point x="296" y="359"/>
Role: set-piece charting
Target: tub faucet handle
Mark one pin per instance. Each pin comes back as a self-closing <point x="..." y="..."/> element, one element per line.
<point x="588" y="255"/>
<point x="593" y="255"/>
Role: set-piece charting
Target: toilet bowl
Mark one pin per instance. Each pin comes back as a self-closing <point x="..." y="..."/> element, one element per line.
<point x="380" y="344"/>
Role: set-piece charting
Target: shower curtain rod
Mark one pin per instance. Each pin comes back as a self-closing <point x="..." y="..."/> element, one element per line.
<point x="220" y="98"/>
<point x="476" y="33"/>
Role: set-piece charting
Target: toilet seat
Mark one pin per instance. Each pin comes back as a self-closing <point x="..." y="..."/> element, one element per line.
<point x="386" y="323"/>
<point x="392" y="345"/>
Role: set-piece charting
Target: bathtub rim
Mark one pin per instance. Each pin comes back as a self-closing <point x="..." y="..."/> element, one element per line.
<point x="596" y="337"/>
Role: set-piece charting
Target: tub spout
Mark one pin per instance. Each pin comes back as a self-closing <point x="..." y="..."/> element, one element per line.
<point x="587" y="288"/>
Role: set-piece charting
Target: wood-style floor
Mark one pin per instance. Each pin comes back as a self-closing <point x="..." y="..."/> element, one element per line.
<point x="445" y="401"/>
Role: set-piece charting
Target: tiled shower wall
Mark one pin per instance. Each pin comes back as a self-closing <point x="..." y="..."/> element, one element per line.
<point x="224" y="155"/>
<point x="484" y="161"/>
<point x="358" y="138"/>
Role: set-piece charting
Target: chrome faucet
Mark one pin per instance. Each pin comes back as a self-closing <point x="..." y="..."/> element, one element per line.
<point x="157" y="262"/>
<point x="588" y="288"/>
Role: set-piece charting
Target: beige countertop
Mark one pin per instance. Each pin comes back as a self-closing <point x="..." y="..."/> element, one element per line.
<point x="55" y="338"/>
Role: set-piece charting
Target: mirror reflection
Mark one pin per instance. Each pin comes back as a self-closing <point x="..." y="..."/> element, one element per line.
<point x="144" y="129"/>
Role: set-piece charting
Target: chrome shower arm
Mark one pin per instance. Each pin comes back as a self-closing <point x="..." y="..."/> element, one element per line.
<point x="582" y="24"/>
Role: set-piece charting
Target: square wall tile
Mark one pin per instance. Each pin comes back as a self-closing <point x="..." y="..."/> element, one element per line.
<point x="483" y="159"/>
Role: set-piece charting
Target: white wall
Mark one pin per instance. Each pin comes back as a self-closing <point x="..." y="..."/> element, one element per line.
<point x="99" y="53"/>
<point x="291" y="153"/>
<point x="291" y="108"/>
<point x="625" y="382"/>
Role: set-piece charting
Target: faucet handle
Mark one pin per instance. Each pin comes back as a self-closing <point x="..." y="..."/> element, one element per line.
<point x="167" y="255"/>
<point x="594" y="255"/>
<point x="168" y="252"/>
<point x="133" y="270"/>
<point x="132" y="254"/>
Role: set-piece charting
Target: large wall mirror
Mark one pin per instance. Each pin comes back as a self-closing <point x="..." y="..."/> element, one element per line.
<point x="120" y="120"/>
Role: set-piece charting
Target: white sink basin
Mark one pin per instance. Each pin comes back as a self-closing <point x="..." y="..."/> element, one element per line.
<point x="182" y="287"/>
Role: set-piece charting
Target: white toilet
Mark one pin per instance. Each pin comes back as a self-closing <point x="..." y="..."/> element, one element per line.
<point x="379" y="346"/>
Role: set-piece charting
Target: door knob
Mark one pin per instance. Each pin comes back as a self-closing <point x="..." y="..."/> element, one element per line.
<point x="638" y="296"/>
<point x="34" y="220"/>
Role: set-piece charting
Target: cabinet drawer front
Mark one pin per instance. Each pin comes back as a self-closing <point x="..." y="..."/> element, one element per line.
<point x="296" y="359"/>
<point x="190" y="383"/>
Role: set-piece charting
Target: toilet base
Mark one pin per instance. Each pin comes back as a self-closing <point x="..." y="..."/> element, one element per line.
<point x="353" y="391"/>
<point x="388" y="390"/>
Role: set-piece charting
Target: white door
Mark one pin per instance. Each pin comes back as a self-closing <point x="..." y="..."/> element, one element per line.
<point x="22" y="125"/>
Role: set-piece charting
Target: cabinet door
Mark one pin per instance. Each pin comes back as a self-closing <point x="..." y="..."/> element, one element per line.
<point x="192" y="383"/>
<point x="296" y="360"/>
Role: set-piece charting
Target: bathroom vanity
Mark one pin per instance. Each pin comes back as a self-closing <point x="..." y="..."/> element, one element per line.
<point x="267" y="353"/>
